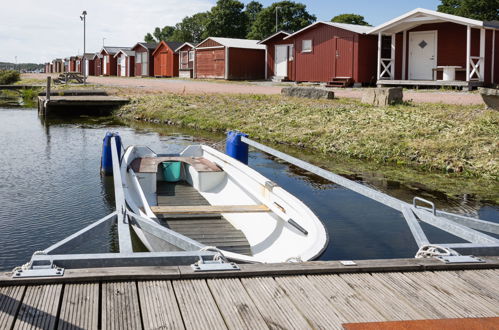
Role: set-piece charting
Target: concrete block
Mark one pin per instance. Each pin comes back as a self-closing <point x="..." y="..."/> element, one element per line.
<point x="383" y="96"/>
<point x="491" y="97"/>
<point x="308" y="92"/>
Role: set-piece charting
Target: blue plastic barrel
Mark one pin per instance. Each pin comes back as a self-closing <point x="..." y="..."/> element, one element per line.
<point x="235" y="148"/>
<point x="107" y="158"/>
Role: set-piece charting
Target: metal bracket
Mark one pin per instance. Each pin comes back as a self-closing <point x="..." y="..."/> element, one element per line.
<point x="433" y="209"/>
<point x="460" y="259"/>
<point x="213" y="265"/>
<point x="38" y="272"/>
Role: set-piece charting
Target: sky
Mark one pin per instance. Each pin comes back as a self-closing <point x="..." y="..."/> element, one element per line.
<point x="39" y="31"/>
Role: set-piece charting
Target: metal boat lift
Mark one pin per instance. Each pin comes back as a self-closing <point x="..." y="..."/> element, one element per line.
<point x="53" y="260"/>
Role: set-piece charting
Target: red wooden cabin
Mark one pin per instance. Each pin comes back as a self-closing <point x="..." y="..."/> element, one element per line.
<point x="166" y="59"/>
<point x="429" y="48"/>
<point x="88" y="68"/>
<point x="72" y="64"/>
<point x="144" y="61"/>
<point x="279" y="56"/>
<point x="125" y="61"/>
<point x="227" y="58"/>
<point x="109" y="62"/>
<point x="97" y="64"/>
<point x="186" y="55"/>
<point x="338" y="53"/>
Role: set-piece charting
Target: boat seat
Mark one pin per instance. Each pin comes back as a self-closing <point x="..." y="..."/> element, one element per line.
<point x="209" y="209"/>
<point x="150" y="164"/>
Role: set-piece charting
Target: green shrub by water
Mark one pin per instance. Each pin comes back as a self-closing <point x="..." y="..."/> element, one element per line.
<point x="8" y="77"/>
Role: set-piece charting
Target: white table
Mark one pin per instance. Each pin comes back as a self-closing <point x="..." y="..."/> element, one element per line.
<point x="449" y="72"/>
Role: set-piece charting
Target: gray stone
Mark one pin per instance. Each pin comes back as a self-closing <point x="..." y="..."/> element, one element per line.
<point x="308" y="92"/>
<point x="491" y="97"/>
<point x="383" y="96"/>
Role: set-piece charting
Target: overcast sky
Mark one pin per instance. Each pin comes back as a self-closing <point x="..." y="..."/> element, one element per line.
<point x="41" y="30"/>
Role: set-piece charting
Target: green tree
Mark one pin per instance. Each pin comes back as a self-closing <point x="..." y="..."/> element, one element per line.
<point x="292" y="17"/>
<point x="191" y="29"/>
<point x="350" y="19"/>
<point x="164" y="34"/>
<point x="227" y="19"/>
<point x="149" y="38"/>
<point x="484" y="10"/>
<point x="252" y="10"/>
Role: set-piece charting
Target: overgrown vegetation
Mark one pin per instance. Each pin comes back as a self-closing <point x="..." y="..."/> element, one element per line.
<point x="451" y="139"/>
<point x="8" y="77"/>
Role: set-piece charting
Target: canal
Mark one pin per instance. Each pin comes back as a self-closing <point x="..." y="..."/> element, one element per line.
<point x="50" y="187"/>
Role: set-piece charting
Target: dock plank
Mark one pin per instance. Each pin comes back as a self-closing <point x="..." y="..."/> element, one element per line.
<point x="10" y="299"/>
<point x="274" y="305"/>
<point x="39" y="307"/>
<point x="159" y="305"/>
<point x="237" y="308"/>
<point x="120" y="306"/>
<point x="80" y="307"/>
<point x="308" y="299"/>
<point x="197" y="306"/>
<point x="349" y="304"/>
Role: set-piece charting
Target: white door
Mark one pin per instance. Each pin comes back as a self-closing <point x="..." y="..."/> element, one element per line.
<point x="86" y="67"/>
<point x="281" y="61"/>
<point x="123" y="65"/>
<point x="422" y="54"/>
<point x="145" y="65"/>
<point x="105" y="65"/>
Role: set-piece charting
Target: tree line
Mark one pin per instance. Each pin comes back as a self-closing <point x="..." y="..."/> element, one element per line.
<point x="233" y="19"/>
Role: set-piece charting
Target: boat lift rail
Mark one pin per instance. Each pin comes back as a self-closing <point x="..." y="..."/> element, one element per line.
<point x="467" y="228"/>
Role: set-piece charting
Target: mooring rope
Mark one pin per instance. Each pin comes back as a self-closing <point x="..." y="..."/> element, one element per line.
<point x="431" y="250"/>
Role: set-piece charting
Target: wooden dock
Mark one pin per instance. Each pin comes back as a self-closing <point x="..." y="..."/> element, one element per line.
<point x="79" y="104"/>
<point x="318" y="295"/>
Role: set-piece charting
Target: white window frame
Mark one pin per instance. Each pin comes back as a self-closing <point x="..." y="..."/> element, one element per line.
<point x="138" y="58"/>
<point x="291" y="52"/>
<point x="191" y="56"/>
<point x="304" y="49"/>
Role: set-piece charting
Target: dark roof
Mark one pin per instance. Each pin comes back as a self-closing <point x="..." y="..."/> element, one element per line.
<point x="113" y="50"/>
<point x="174" y="44"/>
<point x="149" y="45"/>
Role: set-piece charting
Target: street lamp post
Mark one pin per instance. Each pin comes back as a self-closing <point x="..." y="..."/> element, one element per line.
<point x="84" y="68"/>
<point x="277" y="19"/>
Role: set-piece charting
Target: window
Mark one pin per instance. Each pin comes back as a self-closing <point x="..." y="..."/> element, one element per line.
<point x="306" y="46"/>
<point x="191" y="55"/>
<point x="144" y="58"/>
<point x="138" y="58"/>
<point x="291" y="52"/>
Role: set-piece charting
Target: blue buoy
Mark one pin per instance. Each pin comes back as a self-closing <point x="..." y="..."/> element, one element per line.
<point x="235" y="148"/>
<point x="107" y="158"/>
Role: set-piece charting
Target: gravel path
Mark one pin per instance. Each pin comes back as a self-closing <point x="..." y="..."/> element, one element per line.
<point x="267" y="88"/>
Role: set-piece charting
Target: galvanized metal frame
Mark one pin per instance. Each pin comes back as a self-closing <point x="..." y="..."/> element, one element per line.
<point x="460" y="226"/>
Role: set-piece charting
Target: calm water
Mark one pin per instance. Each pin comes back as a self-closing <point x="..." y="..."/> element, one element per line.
<point x="50" y="187"/>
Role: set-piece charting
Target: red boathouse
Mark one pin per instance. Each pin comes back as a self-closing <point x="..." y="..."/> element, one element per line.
<point x="186" y="55"/>
<point x="166" y="59"/>
<point x="144" y="61"/>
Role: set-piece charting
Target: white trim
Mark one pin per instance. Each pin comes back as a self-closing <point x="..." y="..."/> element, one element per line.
<point x="392" y="56"/>
<point x="311" y="46"/>
<point x="360" y="29"/>
<point x="468" y="52"/>
<point x="226" y="74"/>
<point x="435" y="63"/>
<point x="212" y="47"/>
<point x="266" y="62"/>
<point x="185" y="43"/>
<point x="492" y="66"/>
<point x="380" y="37"/>
<point x="272" y="36"/>
<point x="442" y="16"/>
<point x="404" y="54"/>
<point x="482" y="55"/>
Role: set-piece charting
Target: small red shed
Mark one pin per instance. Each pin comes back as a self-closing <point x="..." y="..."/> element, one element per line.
<point x="125" y="61"/>
<point x="79" y="64"/>
<point x="57" y="65"/>
<point x="186" y="60"/>
<point x="72" y="64"/>
<point x="429" y="48"/>
<point x="97" y="64"/>
<point x="144" y="61"/>
<point x="279" y="56"/>
<point x="228" y="58"/>
<point x="109" y="62"/>
<point x="88" y="64"/>
<point x="166" y="59"/>
<point x="337" y="53"/>
<point x="47" y="67"/>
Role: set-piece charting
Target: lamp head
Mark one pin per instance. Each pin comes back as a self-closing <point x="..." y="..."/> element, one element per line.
<point x="84" y="13"/>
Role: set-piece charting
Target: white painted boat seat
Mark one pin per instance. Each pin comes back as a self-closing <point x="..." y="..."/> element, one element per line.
<point x="150" y="164"/>
<point x="208" y="209"/>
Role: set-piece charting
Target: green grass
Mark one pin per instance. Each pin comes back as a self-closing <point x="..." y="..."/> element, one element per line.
<point x="444" y="138"/>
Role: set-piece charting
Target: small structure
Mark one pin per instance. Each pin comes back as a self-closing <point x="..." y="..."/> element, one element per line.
<point x="88" y="67"/>
<point x="227" y="58"/>
<point x="57" y="65"/>
<point x="79" y="63"/>
<point x="186" y="60"/>
<point x="279" y="56"/>
<point x="337" y="53"/>
<point x="125" y="61"/>
<point x="144" y="61"/>
<point x="97" y="64"/>
<point x="428" y="48"/>
<point x="166" y="59"/>
<point x="47" y="67"/>
<point x="109" y="62"/>
<point x="72" y="64"/>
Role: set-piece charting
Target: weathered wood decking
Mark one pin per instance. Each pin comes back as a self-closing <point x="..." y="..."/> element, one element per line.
<point x="257" y="297"/>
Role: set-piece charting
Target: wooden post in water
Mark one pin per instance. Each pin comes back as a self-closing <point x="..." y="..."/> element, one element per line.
<point x="47" y="96"/>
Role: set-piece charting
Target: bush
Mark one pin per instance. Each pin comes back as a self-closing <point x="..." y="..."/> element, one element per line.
<point x="9" y="77"/>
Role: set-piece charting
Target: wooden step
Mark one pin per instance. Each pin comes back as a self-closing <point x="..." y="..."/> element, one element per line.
<point x="209" y="209"/>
